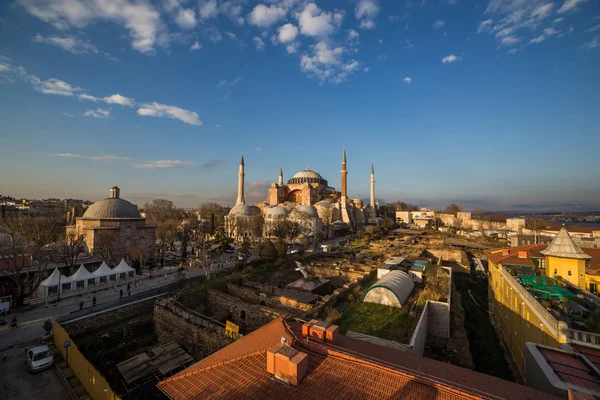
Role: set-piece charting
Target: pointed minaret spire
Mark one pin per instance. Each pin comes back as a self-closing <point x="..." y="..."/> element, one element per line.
<point x="372" y="203"/>
<point x="240" y="197"/>
<point x="280" y="176"/>
<point x="344" y="174"/>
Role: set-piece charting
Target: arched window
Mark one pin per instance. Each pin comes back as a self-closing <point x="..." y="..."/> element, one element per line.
<point x="569" y="273"/>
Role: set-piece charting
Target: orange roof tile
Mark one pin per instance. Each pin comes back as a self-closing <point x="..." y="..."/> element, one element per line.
<point x="571" y="229"/>
<point x="350" y="369"/>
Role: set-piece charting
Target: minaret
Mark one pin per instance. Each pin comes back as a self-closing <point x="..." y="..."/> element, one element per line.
<point x="280" y="176"/>
<point x="372" y="203"/>
<point x="344" y="173"/>
<point x="240" y="198"/>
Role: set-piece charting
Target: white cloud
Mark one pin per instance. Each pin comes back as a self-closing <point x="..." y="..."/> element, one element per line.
<point x="217" y="125"/>
<point x="382" y="57"/>
<point x="317" y="23"/>
<point x="233" y="82"/>
<point x="380" y="41"/>
<point x="214" y="35"/>
<point x="366" y="11"/>
<point x="538" y="39"/>
<point x="259" y="149"/>
<point x="164" y="164"/>
<point x="570" y="5"/>
<point x="263" y="16"/>
<point x="542" y="11"/>
<point x="559" y="19"/>
<point x="509" y="40"/>
<point x="325" y="63"/>
<point x="594" y="29"/>
<point x="67" y="114"/>
<point x="439" y="24"/>
<point x="208" y="9"/>
<point x="550" y="31"/>
<point x="592" y="44"/>
<point x="230" y="35"/>
<point x="68" y="43"/>
<point x="54" y="86"/>
<point x="367" y="69"/>
<point x="484" y="25"/>
<point x="95" y="158"/>
<point x="259" y="44"/>
<point x="292" y="48"/>
<point x="195" y="46"/>
<point x="140" y="18"/>
<point x="408" y="45"/>
<point x="287" y="33"/>
<point x="97" y="113"/>
<point x="451" y="58"/>
<point x="512" y="51"/>
<point x="186" y="19"/>
<point x="408" y="79"/>
<point x="114" y="99"/>
<point x="162" y="110"/>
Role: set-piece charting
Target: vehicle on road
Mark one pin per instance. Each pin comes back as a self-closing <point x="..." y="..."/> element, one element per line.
<point x="5" y="304"/>
<point x="230" y="250"/>
<point x="39" y="358"/>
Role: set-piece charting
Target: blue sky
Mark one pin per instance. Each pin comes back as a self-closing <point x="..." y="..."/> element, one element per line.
<point x="489" y="104"/>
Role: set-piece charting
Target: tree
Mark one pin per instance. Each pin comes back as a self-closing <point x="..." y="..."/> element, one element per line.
<point x="326" y="215"/>
<point x="166" y="233"/>
<point x="402" y="206"/>
<point x="136" y="254"/>
<point x="161" y="210"/>
<point x="268" y="250"/>
<point x="70" y="247"/>
<point x="27" y="250"/>
<point x="222" y="242"/>
<point x="214" y="214"/>
<point x="105" y="246"/>
<point x="452" y="209"/>
<point x="186" y="234"/>
<point x="535" y="224"/>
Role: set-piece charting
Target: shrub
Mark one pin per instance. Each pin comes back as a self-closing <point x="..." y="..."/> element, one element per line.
<point x="332" y="315"/>
<point x="47" y="325"/>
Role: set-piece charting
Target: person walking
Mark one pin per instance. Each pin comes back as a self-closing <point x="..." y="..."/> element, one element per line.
<point x="94" y="301"/>
<point x="121" y="293"/>
<point x="80" y="305"/>
<point x="129" y="289"/>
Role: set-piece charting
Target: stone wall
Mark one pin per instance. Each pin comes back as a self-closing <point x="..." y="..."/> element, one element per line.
<point x="251" y="295"/>
<point x="447" y="255"/>
<point x="89" y="324"/>
<point x="197" y="340"/>
<point x="248" y="316"/>
<point x="338" y="277"/>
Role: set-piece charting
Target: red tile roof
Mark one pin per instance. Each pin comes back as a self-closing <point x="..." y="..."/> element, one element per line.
<point x="571" y="229"/>
<point x="572" y="369"/>
<point x="350" y="369"/>
<point x="533" y="250"/>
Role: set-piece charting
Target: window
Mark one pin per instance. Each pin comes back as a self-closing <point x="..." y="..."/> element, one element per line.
<point x="569" y="273"/>
<point x="593" y="288"/>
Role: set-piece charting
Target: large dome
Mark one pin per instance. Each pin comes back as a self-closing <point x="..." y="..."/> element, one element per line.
<point x="241" y="210"/>
<point x="112" y="208"/>
<point x="306" y="210"/>
<point x="277" y="212"/>
<point x="307" y="176"/>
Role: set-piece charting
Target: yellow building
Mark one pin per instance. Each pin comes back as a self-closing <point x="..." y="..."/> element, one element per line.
<point x="566" y="259"/>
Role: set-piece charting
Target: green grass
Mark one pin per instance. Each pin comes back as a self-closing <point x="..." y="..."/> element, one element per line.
<point x="488" y="355"/>
<point x="375" y="319"/>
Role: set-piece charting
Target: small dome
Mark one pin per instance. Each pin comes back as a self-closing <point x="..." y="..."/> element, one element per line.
<point x="112" y="208"/>
<point x="241" y="210"/>
<point x="277" y="212"/>
<point x="307" y="176"/>
<point x="308" y="210"/>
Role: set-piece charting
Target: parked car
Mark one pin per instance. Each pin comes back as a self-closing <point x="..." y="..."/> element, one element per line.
<point x="39" y="358"/>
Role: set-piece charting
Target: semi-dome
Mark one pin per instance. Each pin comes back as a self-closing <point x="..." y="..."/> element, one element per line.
<point x="112" y="208"/>
<point x="241" y="210"/>
<point x="307" y="210"/>
<point x="277" y="212"/>
<point x="307" y="176"/>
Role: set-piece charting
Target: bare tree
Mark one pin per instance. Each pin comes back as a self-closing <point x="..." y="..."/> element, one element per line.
<point x="535" y="224"/>
<point x="326" y="216"/>
<point x="452" y="209"/>
<point x="166" y="233"/>
<point x="70" y="247"/>
<point x="104" y="245"/>
<point x="161" y="210"/>
<point x="26" y="251"/>
<point x="214" y="214"/>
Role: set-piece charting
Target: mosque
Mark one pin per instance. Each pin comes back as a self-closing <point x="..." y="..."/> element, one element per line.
<point x="306" y="198"/>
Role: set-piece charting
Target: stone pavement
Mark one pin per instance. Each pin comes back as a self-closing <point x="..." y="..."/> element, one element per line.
<point x="30" y="323"/>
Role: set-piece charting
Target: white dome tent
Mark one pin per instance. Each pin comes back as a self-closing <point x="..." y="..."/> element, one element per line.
<point x="123" y="270"/>
<point x="391" y="290"/>
<point x="104" y="274"/>
<point x="49" y="286"/>
<point x="82" y="278"/>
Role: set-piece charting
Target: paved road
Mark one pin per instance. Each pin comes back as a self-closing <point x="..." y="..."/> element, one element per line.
<point x="16" y="383"/>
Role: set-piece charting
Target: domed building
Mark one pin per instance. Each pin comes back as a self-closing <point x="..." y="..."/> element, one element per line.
<point x="115" y="228"/>
<point x="243" y="221"/>
<point x="305" y="187"/>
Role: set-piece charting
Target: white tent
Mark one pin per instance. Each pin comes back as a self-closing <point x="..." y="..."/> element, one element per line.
<point x="82" y="278"/>
<point x="104" y="274"/>
<point x="391" y="290"/>
<point x="49" y="286"/>
<point x="123" y="270"/>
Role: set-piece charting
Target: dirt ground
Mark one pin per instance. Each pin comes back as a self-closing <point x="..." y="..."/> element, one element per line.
<point x="16" y="383"/>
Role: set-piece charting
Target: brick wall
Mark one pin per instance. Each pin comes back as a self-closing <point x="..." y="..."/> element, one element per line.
<point x="197" y="340"/>
<point x="248" y="316"/>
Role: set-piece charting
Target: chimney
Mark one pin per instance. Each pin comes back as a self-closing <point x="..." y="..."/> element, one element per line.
<point x="522" y="254"/>
<point x="505" y="252"/>
<point x="287" y="364"/>
<point x="321" y="330"/>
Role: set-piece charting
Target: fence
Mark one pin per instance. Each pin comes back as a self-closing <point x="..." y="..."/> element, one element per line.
<point x="93" y="382"/>
<point x="584" y="338"/>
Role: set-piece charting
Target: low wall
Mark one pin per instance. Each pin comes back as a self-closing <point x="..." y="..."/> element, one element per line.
<point x="439" y="319"/>
<point x="248" y="316"/>
<point x="198" y="340"/>
<point x="252" y="296"/>
<point x="419" y="336"/>
<point x="447" y="254"/>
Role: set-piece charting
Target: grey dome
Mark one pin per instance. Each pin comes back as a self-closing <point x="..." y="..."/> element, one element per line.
<point x="276" y="212"/>
<point x="307" y="176"/>
<point x="308" y="210"/>
<point x="241" y="210"/>
<point x="112" y="208"/>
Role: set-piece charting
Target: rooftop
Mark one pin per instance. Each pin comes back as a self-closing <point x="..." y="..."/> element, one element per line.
<point x="350" y="368"/>
<point x="565" y="247"/>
